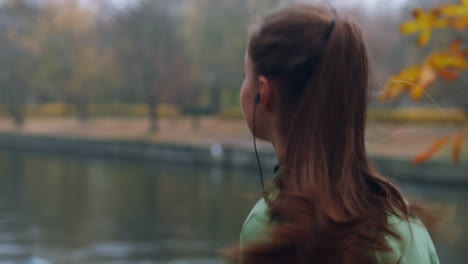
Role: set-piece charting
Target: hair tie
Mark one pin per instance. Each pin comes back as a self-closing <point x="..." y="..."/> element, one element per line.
<point x="330" y="29"/>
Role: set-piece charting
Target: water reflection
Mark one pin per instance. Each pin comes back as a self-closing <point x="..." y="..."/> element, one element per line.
<point x="73" y="210"/>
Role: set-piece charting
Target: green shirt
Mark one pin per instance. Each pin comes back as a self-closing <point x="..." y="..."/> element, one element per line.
<point x="415" y="246"/>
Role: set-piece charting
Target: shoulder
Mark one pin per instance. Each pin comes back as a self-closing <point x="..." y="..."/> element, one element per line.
<point x="256" y="226"/>
<point x="415" y="246"/>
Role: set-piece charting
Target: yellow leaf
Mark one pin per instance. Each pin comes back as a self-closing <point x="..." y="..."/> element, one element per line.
<point x="454" y="9"/>
<point x="452" y="59"/>
<point x="441" y="61"/>
<point x="427" y="77"/>
<point x="404" y="80"/>
<point x="417" y="92"/>
<point x="423" y="22"/>
<point x="393" y="91"/>
<point x="424" y="37"/>
<point x="436" y="146"/>
<point x="410" y="27"/>
<point x="418" y="78"/>
<point x="441" y="23"/>
<point x="458" y="13"/>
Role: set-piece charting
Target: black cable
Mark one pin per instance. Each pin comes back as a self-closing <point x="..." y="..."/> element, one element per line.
<point x="256" y="152"/>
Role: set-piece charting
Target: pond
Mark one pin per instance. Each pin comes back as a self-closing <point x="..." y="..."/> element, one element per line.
<point x="75" y="210"/>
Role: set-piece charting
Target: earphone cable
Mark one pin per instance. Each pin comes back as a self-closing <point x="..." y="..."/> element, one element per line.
<point x="256" y="152"/>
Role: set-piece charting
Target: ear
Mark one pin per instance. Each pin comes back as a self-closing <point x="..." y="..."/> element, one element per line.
<point x="266" y="93"/>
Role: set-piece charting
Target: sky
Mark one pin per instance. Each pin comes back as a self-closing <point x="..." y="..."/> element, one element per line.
<point x="370" y="4"/>
<point x="374" y="3"/>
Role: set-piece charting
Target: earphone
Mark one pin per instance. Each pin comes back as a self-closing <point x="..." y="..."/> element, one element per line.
<point x="257" y="100"/>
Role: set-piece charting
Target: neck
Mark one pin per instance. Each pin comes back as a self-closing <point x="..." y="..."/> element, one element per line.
<point x="280" y="149"/>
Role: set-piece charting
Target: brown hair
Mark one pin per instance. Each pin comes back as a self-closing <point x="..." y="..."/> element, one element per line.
<point x="331" y="205"/>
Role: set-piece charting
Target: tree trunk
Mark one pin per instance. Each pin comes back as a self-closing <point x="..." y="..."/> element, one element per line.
<point x="82" y="112"/>
<point x="195" y="122"/>
<point x="17" y="114"/>
<point x="215" y="99"/>
<point x="153" y="114"/>
<point x="16" y="97"/>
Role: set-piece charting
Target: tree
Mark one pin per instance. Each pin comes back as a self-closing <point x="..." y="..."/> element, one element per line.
<point x="16" y="16"/>
<point x="149" y="50"/>
<point x="217" y="32"/>
<point x="70" y="64"/>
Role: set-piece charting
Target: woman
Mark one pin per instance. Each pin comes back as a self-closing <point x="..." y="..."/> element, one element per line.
<point x="306" y="92"/>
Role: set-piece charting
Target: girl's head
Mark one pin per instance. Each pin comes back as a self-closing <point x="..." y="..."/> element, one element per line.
<point x="310" y="66"/>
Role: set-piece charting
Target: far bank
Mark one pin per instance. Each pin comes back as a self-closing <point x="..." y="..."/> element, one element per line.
<point x="438" y="171"/>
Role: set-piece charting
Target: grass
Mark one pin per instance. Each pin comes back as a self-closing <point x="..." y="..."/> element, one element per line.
<point x="404" y="115"/>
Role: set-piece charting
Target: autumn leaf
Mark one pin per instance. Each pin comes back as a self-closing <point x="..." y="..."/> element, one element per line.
<point x="436" y="146"/>
<point x="449" y="75"/>
<point x="460" y="23"/>
<point x="423" y="22"/>
<point x="454" y="9"/>
<point x="427" y="77"/>
<point x="441" y="61"/>
<point x="455" y="46"/>
<point x="403" y="81"/>
<point x="458" y="14"/>
<point x="457" y="145"/>
<point x="417" y="79"/>
<point x="454" y="58"/>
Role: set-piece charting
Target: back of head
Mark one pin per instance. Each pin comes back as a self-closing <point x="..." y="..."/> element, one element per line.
<point x="320" y="59"/>
<point x="331" y="207"/>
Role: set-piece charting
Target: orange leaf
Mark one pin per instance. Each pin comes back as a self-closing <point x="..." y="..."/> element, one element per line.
<point x="436" y="146"/>
<point x="448" y="75"/>
<point x="464" y="52"/>
<point x="457" y="145"/>
<point x="459" y="23"/>
<point x="455" y="46"/>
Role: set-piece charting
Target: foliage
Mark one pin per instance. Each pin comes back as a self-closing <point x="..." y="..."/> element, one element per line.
<point x="63" y="58"/>
<point x="15" y="58"/>
<point x="216" y="31"/>
<point x="401" y="115"/>
<point x="417" y="78"/>
<point x="457" y="139"/>
<point x="184" y="52"/>
<point x="59" y="110"/>
<point x="447" y="65"/>
<point x="420" y="115"/>
<point x="151" y="54"/>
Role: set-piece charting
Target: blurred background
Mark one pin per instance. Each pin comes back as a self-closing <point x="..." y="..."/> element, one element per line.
<point x="122" y="138"/>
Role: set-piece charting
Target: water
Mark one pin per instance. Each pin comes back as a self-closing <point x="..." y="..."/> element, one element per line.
<point x="74" y="210"/>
